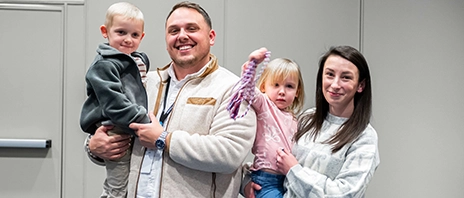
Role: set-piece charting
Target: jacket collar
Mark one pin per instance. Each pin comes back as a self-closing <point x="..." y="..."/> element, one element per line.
<point x="210" y="68"/>
<point x="163" y="74"/>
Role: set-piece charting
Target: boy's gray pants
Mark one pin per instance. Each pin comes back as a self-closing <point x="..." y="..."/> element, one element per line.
<point x="117" y="173"/>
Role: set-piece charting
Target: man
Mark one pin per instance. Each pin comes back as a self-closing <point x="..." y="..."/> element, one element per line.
<point x="196" y="149"/>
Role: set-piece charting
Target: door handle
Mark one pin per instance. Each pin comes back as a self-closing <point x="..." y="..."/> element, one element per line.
<point x="25" y="143"/>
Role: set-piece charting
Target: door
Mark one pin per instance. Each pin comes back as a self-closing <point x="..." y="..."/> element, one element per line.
<point x="31" y="102"/>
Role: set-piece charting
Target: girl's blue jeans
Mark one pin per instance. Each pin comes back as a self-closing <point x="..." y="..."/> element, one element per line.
<point x="272" y="185"/>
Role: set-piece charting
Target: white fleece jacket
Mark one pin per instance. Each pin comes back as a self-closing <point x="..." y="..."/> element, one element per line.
<point x="343" y="174"/>
<point x="207" y="147"/>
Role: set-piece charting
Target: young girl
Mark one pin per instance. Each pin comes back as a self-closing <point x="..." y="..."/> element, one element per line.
<point x="279" y="97"/>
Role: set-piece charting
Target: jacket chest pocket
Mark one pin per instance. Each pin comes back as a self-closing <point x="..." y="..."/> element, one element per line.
<point x="198" y="112"/>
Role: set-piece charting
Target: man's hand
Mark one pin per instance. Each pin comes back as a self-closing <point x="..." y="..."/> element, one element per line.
<point x="148" y="133"/>
<point x="108" y="147"/>
<point x="250" y="189"/>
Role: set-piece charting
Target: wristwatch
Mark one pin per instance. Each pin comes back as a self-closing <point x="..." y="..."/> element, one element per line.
<point x="161" y="141"/>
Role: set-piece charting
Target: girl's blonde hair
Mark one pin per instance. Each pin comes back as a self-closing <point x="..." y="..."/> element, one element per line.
<point x="280" y="69"/>
<point x="125" y="9"/>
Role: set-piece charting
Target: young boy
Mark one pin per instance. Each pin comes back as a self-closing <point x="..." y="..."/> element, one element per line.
<point x="115" y="87"/>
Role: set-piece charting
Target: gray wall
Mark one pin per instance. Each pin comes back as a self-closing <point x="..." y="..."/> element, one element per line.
<point x="414" y="49"/>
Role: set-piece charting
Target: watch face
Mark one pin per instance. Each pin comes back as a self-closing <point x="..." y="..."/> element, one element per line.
<point x="160" y="144"/>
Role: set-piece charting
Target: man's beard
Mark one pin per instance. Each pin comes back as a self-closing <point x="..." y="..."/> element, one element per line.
<point x="190" y="62"/>
<point x="185" y="63"/>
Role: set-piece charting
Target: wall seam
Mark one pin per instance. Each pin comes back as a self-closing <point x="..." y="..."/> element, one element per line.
<point x="224" y="51"/>
<point x="361" y="26"/>
<point x="63" y="93"/>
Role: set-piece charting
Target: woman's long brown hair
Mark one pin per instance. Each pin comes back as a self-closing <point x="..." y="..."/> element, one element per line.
<point x="358" y="121"/>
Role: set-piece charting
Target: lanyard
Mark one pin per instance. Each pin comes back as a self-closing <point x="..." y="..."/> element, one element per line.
<point x="165" y="112"/>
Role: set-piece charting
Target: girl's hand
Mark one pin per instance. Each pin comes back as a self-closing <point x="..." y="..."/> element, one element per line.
<point x="258" y="55"/>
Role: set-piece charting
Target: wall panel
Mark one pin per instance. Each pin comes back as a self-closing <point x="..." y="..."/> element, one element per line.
<point x="415" y="51"/>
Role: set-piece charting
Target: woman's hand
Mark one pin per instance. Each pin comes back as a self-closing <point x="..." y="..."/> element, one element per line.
<point x="108" y="147"/>
<point x="285" y="161"/>
<point x="148" y="133"/>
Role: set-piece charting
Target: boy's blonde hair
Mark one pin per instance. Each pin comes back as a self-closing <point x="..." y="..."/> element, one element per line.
<point x="278" y="70"/>
<point x="125" y="9"/>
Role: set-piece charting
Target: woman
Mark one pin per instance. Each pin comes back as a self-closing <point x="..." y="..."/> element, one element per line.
<point x="335" y="152"/>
